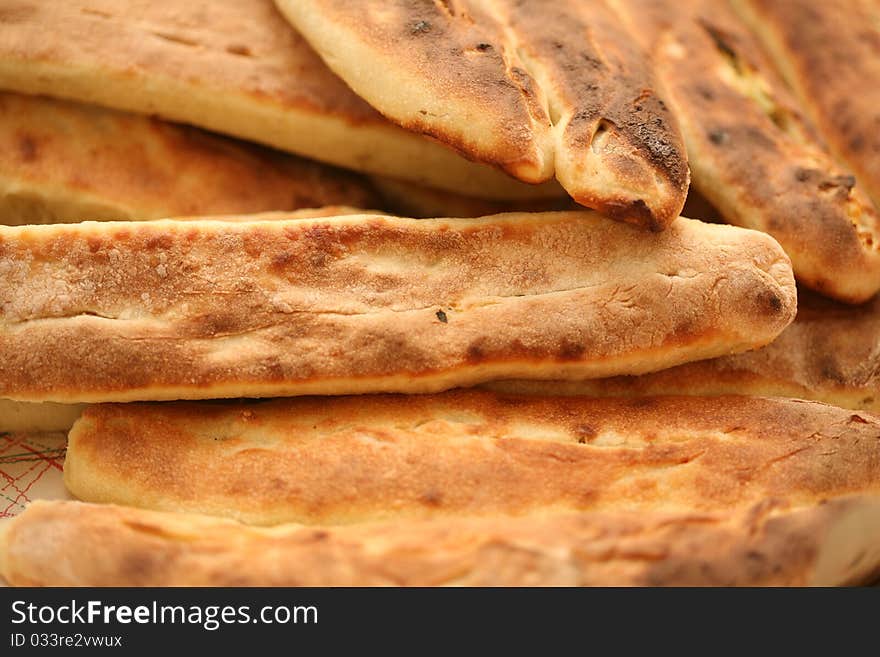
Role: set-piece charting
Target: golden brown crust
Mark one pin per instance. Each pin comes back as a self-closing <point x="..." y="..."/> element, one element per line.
<point x="235" y="67"/>
<point x="64" y="162"/>
<point x="531" y="87"/>
<point x="770" y="543"/>
<point x="829" y="53"/>
<point x="367" y="458"/>
<point x="460" y="84"/>
<point x="366" y="303"/>
<point x="830" y="353"/>
<point x="618" y="146"/>
<point x="752" y="153"/>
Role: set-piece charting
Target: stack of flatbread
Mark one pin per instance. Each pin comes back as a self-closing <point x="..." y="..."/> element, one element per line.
<point x="400" y="293"/>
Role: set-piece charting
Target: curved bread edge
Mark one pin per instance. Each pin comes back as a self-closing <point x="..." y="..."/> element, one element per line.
<point x="828" y="55"/>
<point x="752" y="151"/>
<point x="53" y="543"/>
<point x="369" y="458"/>
<point x="427" y="67"/>
<point x="235" y="67"/>
<point x="829" y="353"/>
<point x="64" y="162"/>
<point x="370" y="303"/>
<point x="585" y="107"/>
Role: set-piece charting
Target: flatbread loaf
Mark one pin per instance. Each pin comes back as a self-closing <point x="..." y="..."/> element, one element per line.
<point x="751" y="151"/>
<point x="538" y="89"/>
<point x="770" y="543"/>
<point x="65" y="162"/>
<point x="368" y="303"/>
<point x="235" y="67"/>
<point x="829" y="52"/>
<point x="368" y="458"/>
<point x="830" y="353"/>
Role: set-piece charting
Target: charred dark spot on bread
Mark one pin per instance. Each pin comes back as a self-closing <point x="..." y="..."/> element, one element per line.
<point x="585" y="433"/>
<point x="857" y="143"/>
<point x="845" y="182"/>
<point x="770" y="302"/>
<point x="718" y="137"/>
<point x="705" y="92"/>
<point x="219" y="324"/>
<point x="636" y="211"/>
<point x="724" y="43"/>
<point x="432" y="498"/>
<point x="319" y="536"/>
<point x="475" y="353"/>
<point x="139" y="564"/>
<point x="571" y="351"/>
<point x="27" y="148"/>
<point x="650" y="124"/>
<point x="823" y="180"/>
<point x="420" y="27"/>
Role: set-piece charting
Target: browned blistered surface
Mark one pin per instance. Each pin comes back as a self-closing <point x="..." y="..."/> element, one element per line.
<point x="111" y="311"/>
<point x="364" y="458"/>
<point x="769" y="543"/>
<point x="830" y="353"/>
<point x="830" y="54"/>
<point x="64" y="162"/>
<point x="752" y="152"/>
<point x="235" y="67"/>
<point x="534" y="88"/>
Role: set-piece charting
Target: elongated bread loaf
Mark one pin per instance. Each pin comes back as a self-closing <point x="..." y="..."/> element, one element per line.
<point x="829" y="52"/>
<point x="235" y="67"/>
<point x="770" y="543"/>
<point x="364" y="458"/>
<point x="366" y="303"/>
<point x="752" y="152"/>
<point x="538" y="89"/>
<point x="48" y="416"/>
<point x="830" y="353"/>
<point x="65" y="162"/>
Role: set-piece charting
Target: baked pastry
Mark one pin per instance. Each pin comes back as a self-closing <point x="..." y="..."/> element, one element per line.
<point x="65" y="162"/>
<point x="830" y="353"/>
<point x="751" y="151"/>
<point x="235" y="67"/>
<point x="538" y="89"/>
<point x="368" y="303"/>
<point x="364" y="458"/>
<point x="771" y="543"/>
<point x="829" y="54"/>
